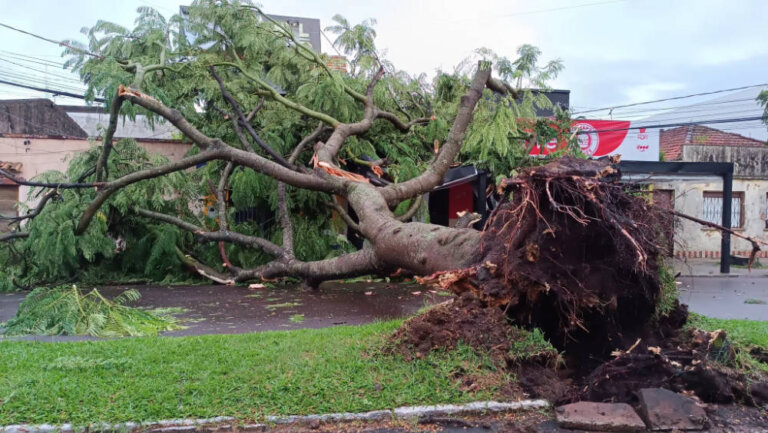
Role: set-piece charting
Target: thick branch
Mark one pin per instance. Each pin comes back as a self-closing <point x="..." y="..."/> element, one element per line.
<point x="434" y="174"/>
<point x="285" y="219"/>
<point x="360" y="262"/>
<point x="343" y="214"/>
<point x="222" y="198"/>
<point x="204" y="270"/>
<point x="328" y="152"/>
<point x="256" y="162"/>
<point x="238" y="131"/>
<point x="102" y="169"/>
<point x="752" y="240"/>
<point x="113" y="186"/>
<point x="502" y="87"/>
<point x="417" y="202"/>
<point x="303" y="143"/>
<point x="399" y="124"/>
<point x="217" y="236"/>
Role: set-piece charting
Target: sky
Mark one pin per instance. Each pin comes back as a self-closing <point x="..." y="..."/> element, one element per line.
<point x="614" y="51"/>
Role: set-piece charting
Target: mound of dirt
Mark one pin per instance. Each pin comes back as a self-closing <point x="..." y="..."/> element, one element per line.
<point x="464" y="319"/>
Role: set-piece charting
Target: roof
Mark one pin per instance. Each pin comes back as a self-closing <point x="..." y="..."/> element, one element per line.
<point x="93" y="120"/>
<point x="671" y="141"/>
<point x="37" y="117"/>
<point x="42" y="117"/>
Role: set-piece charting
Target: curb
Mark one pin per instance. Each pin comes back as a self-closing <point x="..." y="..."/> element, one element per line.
<point x="207" y="424"/>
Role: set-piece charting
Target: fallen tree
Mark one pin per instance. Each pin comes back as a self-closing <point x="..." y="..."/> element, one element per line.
<point x="568" y="250"/>
<point x="271" y="125"/>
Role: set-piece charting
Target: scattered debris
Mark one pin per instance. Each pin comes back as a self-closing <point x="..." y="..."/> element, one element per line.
<point x="755" y="301"/>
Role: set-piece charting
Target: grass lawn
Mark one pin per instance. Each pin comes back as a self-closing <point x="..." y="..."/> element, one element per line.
<point x="744" y="334"/>
<point x="741" y="332"/>
<point x="246" y="376"/>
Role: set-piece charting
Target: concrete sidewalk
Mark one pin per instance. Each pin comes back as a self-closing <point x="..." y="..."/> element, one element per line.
<point x="711" y="268"/>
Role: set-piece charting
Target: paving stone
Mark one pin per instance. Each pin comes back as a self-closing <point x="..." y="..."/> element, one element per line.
<point x="664" y="410"/>
<point x="591" y="416"/>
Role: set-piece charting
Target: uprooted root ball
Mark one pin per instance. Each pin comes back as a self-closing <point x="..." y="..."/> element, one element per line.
<point x="572" y="252"/>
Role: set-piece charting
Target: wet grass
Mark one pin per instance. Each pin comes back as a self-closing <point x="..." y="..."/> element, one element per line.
<point x="246" y="376"/>
<point x="745" y="335"/>
<point x="751" y="333"/>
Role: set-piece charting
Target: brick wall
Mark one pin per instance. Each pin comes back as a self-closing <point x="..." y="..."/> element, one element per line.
<point x="337" y="63"/>
<point x="708" y="254"/>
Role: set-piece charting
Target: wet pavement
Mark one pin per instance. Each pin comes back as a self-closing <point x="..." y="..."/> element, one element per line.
<point x="726" y="297"/>
<point x="216" y="309"/>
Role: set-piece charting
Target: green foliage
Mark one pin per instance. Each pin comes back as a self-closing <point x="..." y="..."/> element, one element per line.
<point x="246" y="376"/>
<point x="52" y="253"/>
<point x="669" y="292"/>
<point x="531" y="346"/>
<point x="65" y="310"/>
<point x="762" y="99"/>
<point x="356" y="41"/>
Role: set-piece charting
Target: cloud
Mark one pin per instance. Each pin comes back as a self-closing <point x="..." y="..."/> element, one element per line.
<point x="651" y="91"/>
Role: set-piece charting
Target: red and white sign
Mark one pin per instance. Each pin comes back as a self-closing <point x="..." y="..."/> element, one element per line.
<point x="610" y="137"/>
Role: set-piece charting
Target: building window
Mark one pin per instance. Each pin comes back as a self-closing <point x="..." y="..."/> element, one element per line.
<point x="712" y="208"/>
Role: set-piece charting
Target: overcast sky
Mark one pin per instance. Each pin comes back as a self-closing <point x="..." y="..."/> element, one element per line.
<point x="615" y="52"/>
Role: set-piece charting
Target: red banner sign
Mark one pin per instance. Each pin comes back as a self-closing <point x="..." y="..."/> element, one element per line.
<point x="610" y="137"/>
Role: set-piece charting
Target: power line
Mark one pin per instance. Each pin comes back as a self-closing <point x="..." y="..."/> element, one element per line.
<point x="34" y="80"/>
<point x="63" y="77"/>
<point x="329" y="41"/>
<point x="690" y="108"/>
<point x="693" y="118"/>
<point x="675" y="125"/>
<point x="51" y="91"/>
<point x="672" y="98"/>
<point x="26" y="58"/>
<point x="59" y="43"/>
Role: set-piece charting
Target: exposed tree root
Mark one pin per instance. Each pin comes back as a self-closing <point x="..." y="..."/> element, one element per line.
<point x="571" y="252"/>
